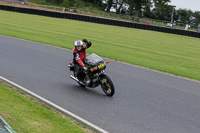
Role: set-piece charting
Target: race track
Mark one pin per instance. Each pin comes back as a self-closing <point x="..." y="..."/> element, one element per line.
<point x="145" y="101"/>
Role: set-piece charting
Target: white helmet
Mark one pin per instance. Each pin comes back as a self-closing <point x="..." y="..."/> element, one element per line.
<point x="78" y="43"/>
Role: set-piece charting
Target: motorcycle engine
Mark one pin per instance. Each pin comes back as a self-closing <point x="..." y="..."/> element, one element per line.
<point x="95" y="78"/>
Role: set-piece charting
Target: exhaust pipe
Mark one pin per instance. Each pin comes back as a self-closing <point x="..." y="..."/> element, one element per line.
<point x="74" y="78"/>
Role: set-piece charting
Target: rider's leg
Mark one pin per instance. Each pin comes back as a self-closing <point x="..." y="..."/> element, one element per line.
<point x="79" y="71"/>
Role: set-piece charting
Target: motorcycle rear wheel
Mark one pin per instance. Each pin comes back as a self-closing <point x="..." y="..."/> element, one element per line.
<point x="107" y="85"/>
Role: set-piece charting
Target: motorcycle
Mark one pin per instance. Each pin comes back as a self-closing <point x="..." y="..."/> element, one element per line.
<point x="95" y="72"/>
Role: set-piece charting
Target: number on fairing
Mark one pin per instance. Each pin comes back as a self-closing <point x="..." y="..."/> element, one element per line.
<point x="101" y="66"/>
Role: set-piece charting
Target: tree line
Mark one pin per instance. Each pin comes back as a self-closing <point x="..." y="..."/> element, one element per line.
<point x="154" y="9"/>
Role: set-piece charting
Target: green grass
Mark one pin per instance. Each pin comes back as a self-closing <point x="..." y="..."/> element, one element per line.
<point x="25" y="115"/>
<point x="161" y="51"/>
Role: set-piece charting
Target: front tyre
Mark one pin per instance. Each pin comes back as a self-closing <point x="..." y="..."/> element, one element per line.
<point x="107" y="85"/>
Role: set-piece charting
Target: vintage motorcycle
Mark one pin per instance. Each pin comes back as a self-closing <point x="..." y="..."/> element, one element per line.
<point x="96" y="66"/>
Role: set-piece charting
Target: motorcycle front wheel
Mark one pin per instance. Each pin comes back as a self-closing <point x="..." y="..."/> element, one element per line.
<point x="107" y="85"/>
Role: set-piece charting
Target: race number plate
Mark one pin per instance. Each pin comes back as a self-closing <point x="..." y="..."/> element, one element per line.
<point x="101" y="66"/>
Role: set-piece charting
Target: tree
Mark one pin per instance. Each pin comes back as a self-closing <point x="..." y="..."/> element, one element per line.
<point x="162" y="10"/>
<point x="147" y="12"/>
<point x="196" y="16"/>
<point x="135" y="6"/>
<point x="139" y="5"/>
<point x="118" y="5"/>
<point x="185" y="16"/>
<point x="130" y="8"/>
<point x="109" y="5"/>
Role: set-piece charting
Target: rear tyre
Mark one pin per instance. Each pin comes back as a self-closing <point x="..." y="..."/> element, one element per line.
<point x="107" y="85"/>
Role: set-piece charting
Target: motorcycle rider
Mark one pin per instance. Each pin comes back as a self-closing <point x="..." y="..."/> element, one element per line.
<point x="79" y="54"/>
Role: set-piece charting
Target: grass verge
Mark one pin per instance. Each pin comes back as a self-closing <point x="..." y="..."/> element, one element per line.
<point x="28" y="115"/>
<point x="76" y="4"/>
<point x="170" y="53"/>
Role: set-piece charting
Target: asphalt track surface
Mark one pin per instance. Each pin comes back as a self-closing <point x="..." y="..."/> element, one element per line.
<point x="145" y="101"/>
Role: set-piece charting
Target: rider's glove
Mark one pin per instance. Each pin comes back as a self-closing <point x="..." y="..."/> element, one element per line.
<point x="85" y="41"/>
<point x="85" y="68"/>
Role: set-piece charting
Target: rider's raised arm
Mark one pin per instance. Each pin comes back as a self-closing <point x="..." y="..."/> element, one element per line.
<point x="88" y="44"/>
